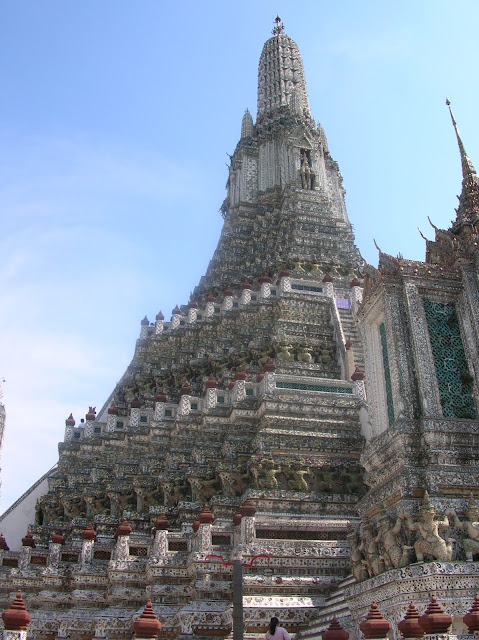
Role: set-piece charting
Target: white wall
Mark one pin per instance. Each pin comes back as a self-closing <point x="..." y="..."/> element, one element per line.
<point x="14" y="522"/>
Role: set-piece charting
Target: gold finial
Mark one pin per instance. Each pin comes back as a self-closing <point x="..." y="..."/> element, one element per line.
<point x="279" y="28"/>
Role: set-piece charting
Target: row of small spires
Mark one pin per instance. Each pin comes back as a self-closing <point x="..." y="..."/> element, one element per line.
<point x="17" y="618"/>
<point x="247" y="509"/>
<point x="433" y="621"/>
<point x="228" y="292"/>
<point x="211" y="383"/>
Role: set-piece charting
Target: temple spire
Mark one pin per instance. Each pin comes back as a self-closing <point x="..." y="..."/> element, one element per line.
<point x="280" y="77"/>
<point x="279" y="28"/>
<point x="467" y="166"/>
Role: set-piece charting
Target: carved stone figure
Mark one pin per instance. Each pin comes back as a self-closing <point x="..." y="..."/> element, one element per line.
<point x="305" y="172"/>
<point x="304" y="354"/>
<point x="296" y="481"/>
<point x="393" y="553"/>
<point x="369" y="547"/>
<point x="431" y="542"/>
<point x="267" y="475"/>
<point x="358" y="564"/>
<point x="228" y="481"/>
<point x="284" y="352"/>
<point x="470" y="526"/>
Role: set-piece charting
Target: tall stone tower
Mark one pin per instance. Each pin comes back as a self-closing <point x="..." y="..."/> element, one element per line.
<point x="236" y="429"/>
<point x="248" y="400"/>
<point x="285" y="199"/>
<point x="241" y="429"/>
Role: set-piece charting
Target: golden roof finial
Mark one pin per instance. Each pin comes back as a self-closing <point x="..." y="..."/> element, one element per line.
<point x="279" y="28"/>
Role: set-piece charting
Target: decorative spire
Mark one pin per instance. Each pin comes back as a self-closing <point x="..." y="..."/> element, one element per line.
<point x="147" y="625"/>
<point x="89" y="533"/>
<point x="375" y="625"/>
<point x="472" y="616"/>
<point x="468" y="210"/>
<point x="161" y="523"/>
<point x="409" y="626"/>
<point x="247" y="126"/>
<point x="435" y="620"/>
<point x="123" y="529"/>
<point x="206" y="517"/>
<point x="467" y="166"/>
<point x="280" y="75"/>
<point x="335" y="631"/>
<point x="278" y="28"/>
<point x="3" y="543"/>
<point x="16" y="617"/>
<point x="247" y="508"/>
<point x="29" y="540"/>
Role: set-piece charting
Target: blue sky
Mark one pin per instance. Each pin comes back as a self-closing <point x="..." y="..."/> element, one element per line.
<point x="115" y="122"/>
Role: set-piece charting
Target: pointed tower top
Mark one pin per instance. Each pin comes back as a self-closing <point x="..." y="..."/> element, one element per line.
<point x="278" y="28"/>
<point x="467" y="213"/>
<point x="280" y="76"/>
<point x="247" y="125"/>
<point x="467" y="166"/>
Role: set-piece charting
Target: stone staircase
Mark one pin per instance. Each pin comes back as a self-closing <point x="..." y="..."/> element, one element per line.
<point x="350" y="330"/>
<point x="335" y="605"/>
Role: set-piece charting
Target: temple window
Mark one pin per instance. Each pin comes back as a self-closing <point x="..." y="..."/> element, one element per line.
<point x="452" y="372"/>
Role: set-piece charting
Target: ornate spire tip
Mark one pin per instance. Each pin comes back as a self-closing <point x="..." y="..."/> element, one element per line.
<point x="279" y="28"/>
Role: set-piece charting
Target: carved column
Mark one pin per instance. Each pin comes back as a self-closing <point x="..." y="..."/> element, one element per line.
<point x="328" y="287"/>
<point x="175" y="318"/>
<point x="159" y="323"/>
<point x="160" y="542"/>
<point x="184" y="406"/>
<point x="356" y="298"/>
<point x="245" y="293"/>
<point x="248" y="531"/>
<point x="205" y="519"/>
<point x="135" y="413"/>
<point x="89" y="421"/>
<point x="227" y="300"/>
<point x="238" y="391"/>
<point x="54" y="555"/>
<point x="402" y="378"/>
<point x="89" y="535"/>
<point x="429" y="393"/>
<point x="209" y="306"/>
<point x="211" y="396"/>
<point x="145" y="323"/>
<point x="265" y="287"/>
<point x="160" y="400"/>
<point x="69" y="424"/>
<point x="122" y="547"/>
<point x="28" y="543"/>
<point x="267" y="384"/>
<point x="192" y="312"/>
<point x="112" y="417"/>
<point x="284" y="282"/>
